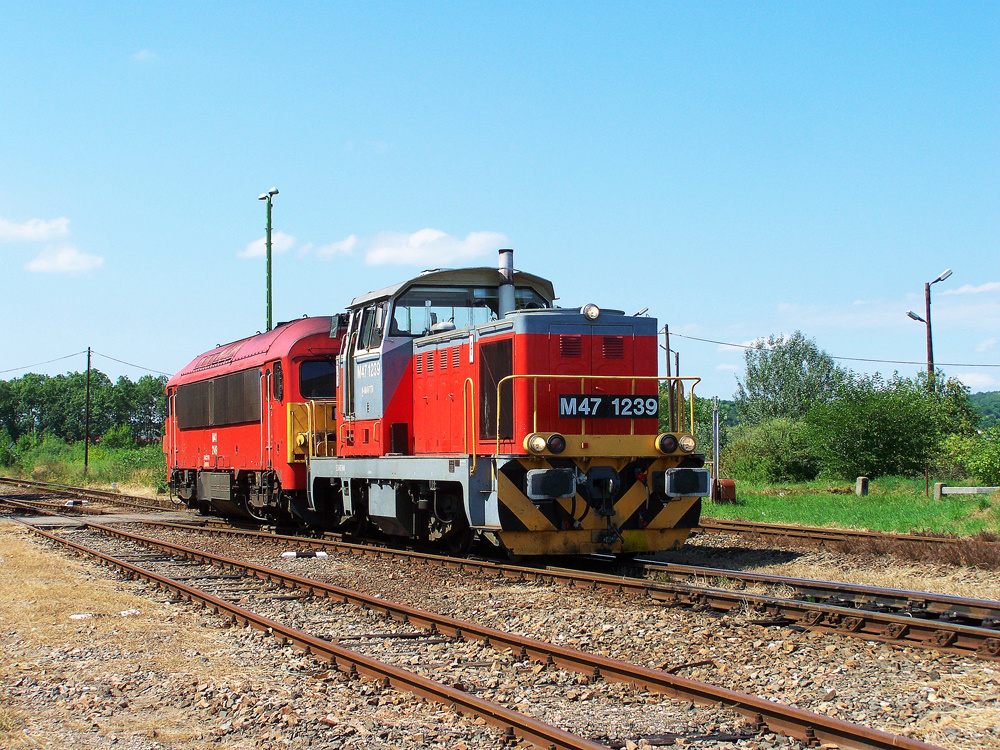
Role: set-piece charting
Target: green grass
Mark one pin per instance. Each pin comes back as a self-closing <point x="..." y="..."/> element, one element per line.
<point x="892" y="504"/>
<point x="53" y="460"/>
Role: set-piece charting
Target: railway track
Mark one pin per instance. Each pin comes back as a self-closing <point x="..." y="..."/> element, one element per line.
<point x="925" y="605"/>
<point x="188" y="573"/>
<point x="133" y="502"/>
<point x="907" y="618"/>
<point x="46" y="508"/>
<point x="820" y="535"/>
<point x="863" y="612"/>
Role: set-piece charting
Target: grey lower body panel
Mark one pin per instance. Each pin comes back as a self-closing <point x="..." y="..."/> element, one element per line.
<point x="477" y="488"/>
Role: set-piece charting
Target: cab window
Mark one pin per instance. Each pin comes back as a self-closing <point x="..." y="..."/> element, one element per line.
<point x="318" y="379"/>
<point x="424" y="310"/>
<point x="372" y="328"/>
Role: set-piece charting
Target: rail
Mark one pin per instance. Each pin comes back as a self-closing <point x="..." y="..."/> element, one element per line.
<point x="843" y="618"/>
<point x="674" y="381"/>
<point x="353" y="663"/>
<point x="775" y="717"/>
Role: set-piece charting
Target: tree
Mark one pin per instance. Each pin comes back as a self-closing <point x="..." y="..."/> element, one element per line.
<point x="874" y="427"/>
<point x="785" y="377"/>
<point x="40" y="405"/>
<point x="952" y="405"/>
<point x="988" y="404"/>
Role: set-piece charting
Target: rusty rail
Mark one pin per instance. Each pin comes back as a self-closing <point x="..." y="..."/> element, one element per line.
<point x="775" y="717"/>
<point x="353" y="663"/>
<point x="818" y="533"/>
<point x="951" y="637"/>
<point x="104" y="496"/>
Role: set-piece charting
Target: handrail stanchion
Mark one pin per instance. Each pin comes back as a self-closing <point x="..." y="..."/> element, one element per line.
<point x="465" y="422"/>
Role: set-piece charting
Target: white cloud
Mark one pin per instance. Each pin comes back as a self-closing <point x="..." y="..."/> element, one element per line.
<point x="280" y="243"/>
<point x="732" y="368"/>
<point x="989" y="343"/>
<point x="63" y="259"/>
<point x="979" y="381"/>
<point x="430" y="247"/>
<point x="145" y="56"/>
<point x="991" y="286"/>
<point x="34" y="230"/>
<point x="343" y="247"/>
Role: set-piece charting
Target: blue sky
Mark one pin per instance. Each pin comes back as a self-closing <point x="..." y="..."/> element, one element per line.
<point x="740" y="169"/>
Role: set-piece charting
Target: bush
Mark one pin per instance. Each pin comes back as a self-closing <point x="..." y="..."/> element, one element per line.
<point x="978" y="457"/>
<point x="119" y="436"/>
<point x="776" y="450"/>
<point x="874" y="428"/>
<point x="8" y="453"/>
<point x="954" y="459"/>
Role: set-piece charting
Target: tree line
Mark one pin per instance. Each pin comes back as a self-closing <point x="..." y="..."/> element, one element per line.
<point x="35" y="406"/>
<point x="799" y="416"/>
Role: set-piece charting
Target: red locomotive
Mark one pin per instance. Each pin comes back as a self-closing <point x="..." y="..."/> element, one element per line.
<point x="458" y="403"/>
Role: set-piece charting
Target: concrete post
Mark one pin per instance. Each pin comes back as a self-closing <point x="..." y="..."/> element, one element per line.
<point x="861" y="487"/>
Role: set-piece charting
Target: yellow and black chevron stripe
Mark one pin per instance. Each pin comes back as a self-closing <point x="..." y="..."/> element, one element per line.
<point x="634" y="518"/>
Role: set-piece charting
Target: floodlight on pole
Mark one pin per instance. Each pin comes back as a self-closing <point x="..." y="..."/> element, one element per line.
<point x="927" y="320"/>
<point x="267" y="197"/>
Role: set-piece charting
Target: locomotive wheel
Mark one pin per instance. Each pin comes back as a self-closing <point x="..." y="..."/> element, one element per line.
<point x="460" y="542"/>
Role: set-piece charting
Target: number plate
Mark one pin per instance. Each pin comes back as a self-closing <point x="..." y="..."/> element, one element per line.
<point x="605" y="406"/>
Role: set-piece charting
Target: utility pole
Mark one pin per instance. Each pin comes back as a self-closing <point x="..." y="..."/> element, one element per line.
<point x="86" y="422"/>
<point x="267" y="197"/>
<point x="930" y="343"/>
<point x="927" y="321"/>
<point x="670" y="383"/>
<point x="715" y="441"/>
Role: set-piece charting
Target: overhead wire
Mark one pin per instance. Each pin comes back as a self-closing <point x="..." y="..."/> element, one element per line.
<point x="845" y="359"/>
<point x="47" y="362"/>
<point x="81" y="353"/>
<point x="138" y="367"/>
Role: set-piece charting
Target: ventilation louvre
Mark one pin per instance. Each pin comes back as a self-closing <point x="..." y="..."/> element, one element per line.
<point x="613" y="347"/>
<point x="570" y="346"/>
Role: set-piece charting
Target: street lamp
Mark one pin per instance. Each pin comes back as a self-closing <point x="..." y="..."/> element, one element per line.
<point x="927" y="320"/>
<point x="267" y="197"/>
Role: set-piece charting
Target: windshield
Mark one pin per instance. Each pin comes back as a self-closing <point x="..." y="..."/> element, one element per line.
<point x="424" y="310"/>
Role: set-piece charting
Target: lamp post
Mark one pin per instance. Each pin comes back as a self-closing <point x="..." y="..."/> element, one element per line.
<point x="927" y="320"/>
<point x="267" y="197"/>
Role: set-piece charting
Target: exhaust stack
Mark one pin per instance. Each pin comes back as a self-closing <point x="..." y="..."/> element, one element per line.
<point x="506" y="303"/>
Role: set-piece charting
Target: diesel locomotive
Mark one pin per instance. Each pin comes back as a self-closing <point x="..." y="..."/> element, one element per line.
<point x="457" y="404"/>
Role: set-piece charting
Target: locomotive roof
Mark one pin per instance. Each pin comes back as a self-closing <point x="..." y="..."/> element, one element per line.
<point x="255" y="349"/>
<point x="460" y="277"/>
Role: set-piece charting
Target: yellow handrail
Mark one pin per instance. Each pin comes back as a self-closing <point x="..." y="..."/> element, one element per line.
<point x="583" y="378"/>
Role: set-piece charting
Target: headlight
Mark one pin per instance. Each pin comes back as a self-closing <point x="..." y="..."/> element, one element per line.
<point x="535" y="443"/>
<point x="590" y="311"/>
<point x="687" y="443"/>
<point x="666" y="443"/>
<point x="556" y="443"/>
